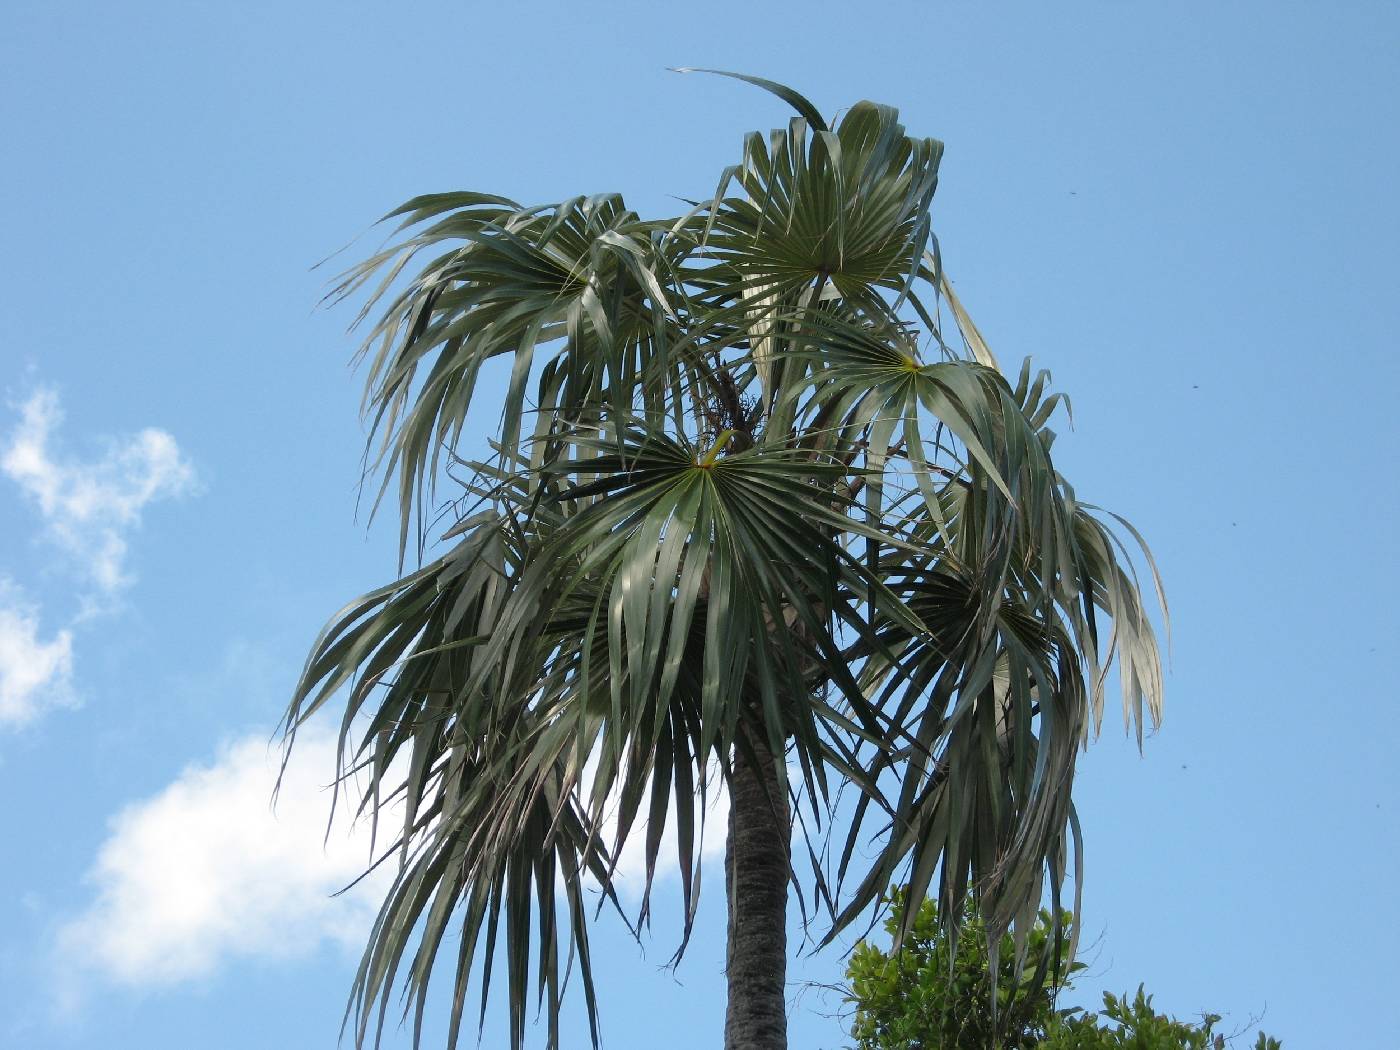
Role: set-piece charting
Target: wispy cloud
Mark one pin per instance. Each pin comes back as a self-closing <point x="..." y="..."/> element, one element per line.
<point x="90" y="507"/>
<point x="34" y="674"/>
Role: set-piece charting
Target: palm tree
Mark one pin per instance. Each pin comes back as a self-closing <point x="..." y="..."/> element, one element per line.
<point x="755" y="513"/>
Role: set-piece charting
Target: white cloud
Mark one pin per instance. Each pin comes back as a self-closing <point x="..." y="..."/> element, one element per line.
<point x="34" y="674"/>
<point x="207" y="870"/>
<point x="90" y="508"/>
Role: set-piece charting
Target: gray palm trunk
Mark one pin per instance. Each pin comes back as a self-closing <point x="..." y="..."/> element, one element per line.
<point x="757" y="870"/>
<point x="758" y="863"/>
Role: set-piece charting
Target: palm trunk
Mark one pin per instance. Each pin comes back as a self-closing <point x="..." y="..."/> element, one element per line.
<point x="757" y="866"/>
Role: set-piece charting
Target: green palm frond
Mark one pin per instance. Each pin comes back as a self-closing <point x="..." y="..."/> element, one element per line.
<point x="848" y="205"/>
<point x="581" y="279"/>
<point x="730" y="502"/>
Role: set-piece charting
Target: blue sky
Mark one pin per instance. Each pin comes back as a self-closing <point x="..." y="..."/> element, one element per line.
<point x="1186" y="211"/>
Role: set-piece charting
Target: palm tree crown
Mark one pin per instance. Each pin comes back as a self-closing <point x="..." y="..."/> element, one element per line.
<point x="752" y="496"/>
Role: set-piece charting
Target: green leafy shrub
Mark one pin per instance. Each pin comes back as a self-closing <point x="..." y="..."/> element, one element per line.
<point x="1122" y="1025"/>
<point x="921" y="999"/>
